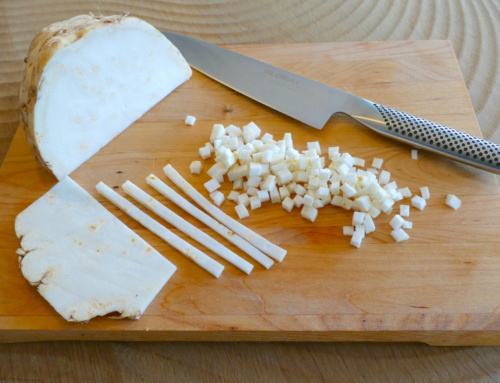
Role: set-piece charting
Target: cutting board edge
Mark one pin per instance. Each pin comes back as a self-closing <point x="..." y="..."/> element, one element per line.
<point x="478" y="329"/>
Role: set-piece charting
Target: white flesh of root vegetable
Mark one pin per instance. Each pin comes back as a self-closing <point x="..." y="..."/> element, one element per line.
<point x="180" y="223"/>
<point x="87" y="79"/>
<point x="304" y="179"/>
<point x="84" y="261"/>
<point x="219" y="228"/>
<point x="191" y="252"/>
<point x="255" y="239"/>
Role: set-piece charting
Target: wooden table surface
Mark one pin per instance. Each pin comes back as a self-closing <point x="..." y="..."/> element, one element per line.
<point x="470" y="28"/>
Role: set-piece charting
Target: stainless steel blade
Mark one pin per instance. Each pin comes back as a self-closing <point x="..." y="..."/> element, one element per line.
<point x="314" y="103"/>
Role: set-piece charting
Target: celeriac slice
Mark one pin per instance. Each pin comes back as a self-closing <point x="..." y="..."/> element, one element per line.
<point x="191" y="252"/>
<point x="219" y="228"/>
<point x="180" y="223"/>
<point x="83" y="260"/>
<point x="87" y="79"/>
<point x="255" y="239"/>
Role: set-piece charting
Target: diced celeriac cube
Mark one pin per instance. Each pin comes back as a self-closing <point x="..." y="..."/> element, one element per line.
<point x="233" y="196"/>
<point x="263" y="195"/>
<point x="244" y="199"/>
<point x="396" y="222"/>
<point x="359" y="162"/>
<point x="418" y="202"/>
<point x="217" y="132"/>
<point x="356" y="239"/>
<point x="314" y="146"/>
<point x="348" y="190"/>
<point x="404" y="210"/>
<point x="298" y="200"/>
<point x="424" y="192"/>
<point x="399" y="235"/>
<point x="347" y="230"/>
<point x="254" y="181"/>
<point x="255" y="202"/>
<point x="374" y="212"/>
<point x="405" y="192"/>
<point x="217" y="197"/>
<point x="307" y="200"/>
<point x="407" y="225"/>
<point x="275" y="195"/>
<point x="453" y="201"/>
<point x="284" y="192"/>
<point x="384" y="177"/>
<point x="377" y="163"/>
<point x="369" y="224"/>
<point x="288" y="204"/>
<point x="195" y="167"/>
<point x="212" y="185"/>
<point x="204" y="152"/>
<point x="309" y="213"/>
<point x="358" y="218"/>
<point x="242" y="211"/>
<point x="190" y="120"/>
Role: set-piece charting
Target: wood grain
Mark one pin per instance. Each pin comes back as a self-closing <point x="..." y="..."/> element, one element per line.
<point x="472" y="29"/>
<point x="437" y="288"/>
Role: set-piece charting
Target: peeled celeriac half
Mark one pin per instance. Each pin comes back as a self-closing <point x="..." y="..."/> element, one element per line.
<point x="87" y="79"/>
<point x="84" y="261"/>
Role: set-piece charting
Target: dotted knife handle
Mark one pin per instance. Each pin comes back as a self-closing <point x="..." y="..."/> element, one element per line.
<point x="440" y="139"/>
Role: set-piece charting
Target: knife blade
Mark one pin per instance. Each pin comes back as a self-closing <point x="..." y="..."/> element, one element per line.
<point x="314" y="103"/>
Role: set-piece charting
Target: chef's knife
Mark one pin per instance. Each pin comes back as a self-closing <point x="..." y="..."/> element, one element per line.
<point x="314" y="103"/>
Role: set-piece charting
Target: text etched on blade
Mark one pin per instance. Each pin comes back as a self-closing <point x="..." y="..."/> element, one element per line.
<point x="284" y="79"/>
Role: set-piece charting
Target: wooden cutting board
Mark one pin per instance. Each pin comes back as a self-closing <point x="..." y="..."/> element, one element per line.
<point x="441" y="287"/>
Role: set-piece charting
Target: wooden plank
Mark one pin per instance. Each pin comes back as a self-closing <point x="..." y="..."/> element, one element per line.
<point x="441" y="287"/>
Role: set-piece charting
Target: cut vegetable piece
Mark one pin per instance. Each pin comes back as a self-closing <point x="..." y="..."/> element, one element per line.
<point x="347" y="230"/>
<point x="377" y="163"/>
<point x="195" y="167"/>
<point x="233" y="196"/>
<point x="242" y="211"/>
<point x="414" y="154"/>
<point x="255" y="203"/>
<point x="357" y="238"/>
<point x="310" y="213"/>
<point x="418" y="202"/>
<point x="180" y="223"/>
<point x="384" y="177"/>
<point x="288" y="204"/>
<point x="399" y="235"/>
<point x="404" y="210"/>
<point x="453" y="201"/>
<point x="358" y="218"/>
<point x="424" y="192"/>
<point x="396" y="222"/>
<point x="87" y="79"/>
<point x="190" y="120"/>
<point x="212" y="185"/>
<point x="200" y="258"/>
<point x="204" y="152"/>
<point x="219" y="228"/>
<point x="258" y="241"/>
<point x="84" y="261"/>
<point x="407" y="225"/>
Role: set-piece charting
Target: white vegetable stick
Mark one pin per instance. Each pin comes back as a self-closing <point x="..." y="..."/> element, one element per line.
<point x="184" y="204"/>
<point x="203" y="260"/>
<point x="258" y="241"/>
<point x="180" y="223"/>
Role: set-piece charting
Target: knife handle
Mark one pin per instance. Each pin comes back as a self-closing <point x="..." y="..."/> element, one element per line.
<point x="434" y="137"/>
